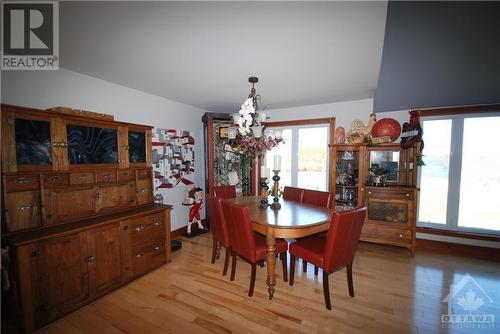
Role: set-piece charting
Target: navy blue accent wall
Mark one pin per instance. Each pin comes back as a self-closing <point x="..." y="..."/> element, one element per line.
<point x="439" y="54"/>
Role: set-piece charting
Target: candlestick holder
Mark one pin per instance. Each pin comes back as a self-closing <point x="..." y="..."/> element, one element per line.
<point x="264" y="191"/>
<point x="276" y="191"/>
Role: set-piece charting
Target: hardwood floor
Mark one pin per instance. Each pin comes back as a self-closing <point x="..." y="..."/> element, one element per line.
<point x="394" y="293"/>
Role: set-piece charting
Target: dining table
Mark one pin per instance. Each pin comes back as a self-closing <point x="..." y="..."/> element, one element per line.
<point x="293" y="220"/>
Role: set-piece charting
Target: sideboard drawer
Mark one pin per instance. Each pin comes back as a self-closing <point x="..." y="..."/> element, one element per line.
<point x="373" y="231"/>
<point x="105" y="176"/>
<point x="126" y="175"/>
<point x="146" y="258"/>
<point x="82" y="177"/>
<point x="383" y="193"/>
<point x="22" y="182"/>
<point x="22" y="210"/>
<point x="144" y="173"/>
<point x="55" y="180"/>
<point x="150" y="228"/>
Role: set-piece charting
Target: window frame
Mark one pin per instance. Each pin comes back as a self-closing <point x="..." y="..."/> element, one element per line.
<point x="307" y="123"/>
<point x="455" y="171"/>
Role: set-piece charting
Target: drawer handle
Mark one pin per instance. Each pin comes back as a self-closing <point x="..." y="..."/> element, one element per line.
<point x="407" y="195"/>
<point x="139" y="228"/>
<point x="157" y="248"/>
<point x="55" y="178"/>
<point x="158" y="222"/>
<point x="83" y="177"/>
<point x="369" y="193"/>
<point x="143" y="190"/>
<point x="139" y="255"/>
<point x="22" y="180"/>
<point x="90" y="259"/>
<point x="24" y="206"/>
<point x="400" y="235"/>
<point x="107" y="176"/>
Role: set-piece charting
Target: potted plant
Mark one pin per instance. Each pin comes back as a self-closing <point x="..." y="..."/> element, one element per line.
<point x="378" y="174"/>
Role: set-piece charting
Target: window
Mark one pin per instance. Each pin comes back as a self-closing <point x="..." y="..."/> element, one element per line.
<point x="461" y="180"/>
<point x="304" y="155"/>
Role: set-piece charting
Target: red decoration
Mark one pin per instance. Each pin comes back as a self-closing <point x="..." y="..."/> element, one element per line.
<point x="387" y="127"/>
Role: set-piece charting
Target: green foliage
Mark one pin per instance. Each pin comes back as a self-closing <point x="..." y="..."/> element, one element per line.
<point x="378" y="171"/>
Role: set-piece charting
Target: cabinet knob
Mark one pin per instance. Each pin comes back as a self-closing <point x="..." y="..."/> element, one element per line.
<point x="90" y="258"/>
<point x="400" y="235"/>
<point x="143" y="190"/>
<point x="107" y="176"/>
<point x="139" y="228"/>
<point x="369" y="193"/>
<point x="158" y="222"/>
<point x="55" y="178"/>
<point x="22" y="180"/>
<point x="157" y="248"/>
<point x="24" y="206"/>
<point x="126" y="147"/>
<point x="83" y="177"/>
<point x="139" y="255"/>
<point x="407" y="195"/>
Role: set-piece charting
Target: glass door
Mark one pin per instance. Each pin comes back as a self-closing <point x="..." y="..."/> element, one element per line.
<point x="347" y="177"/>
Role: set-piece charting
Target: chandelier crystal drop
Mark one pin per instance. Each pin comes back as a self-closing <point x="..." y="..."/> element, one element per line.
<point x="248" y="133"/>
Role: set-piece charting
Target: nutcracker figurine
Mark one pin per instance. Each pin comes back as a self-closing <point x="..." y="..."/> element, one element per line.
<point x="194" y="198"/>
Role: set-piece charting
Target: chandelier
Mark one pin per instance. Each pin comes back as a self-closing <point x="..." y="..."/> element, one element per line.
<point x="248" y="134"/>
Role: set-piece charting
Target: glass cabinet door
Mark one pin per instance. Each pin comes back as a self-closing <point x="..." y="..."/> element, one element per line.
<point x="33" y="143"/>
<point x="92" y="145"/>
<point x="346" y="179"/>
<point x="136" y="146"/>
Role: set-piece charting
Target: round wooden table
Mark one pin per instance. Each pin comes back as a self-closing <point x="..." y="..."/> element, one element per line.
<point x="293" y="220"/>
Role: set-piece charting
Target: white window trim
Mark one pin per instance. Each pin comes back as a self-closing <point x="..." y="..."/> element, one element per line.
<point x="453" y="200"/>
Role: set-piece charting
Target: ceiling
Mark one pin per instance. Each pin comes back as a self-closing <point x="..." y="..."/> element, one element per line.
<point x="201" y="53"/>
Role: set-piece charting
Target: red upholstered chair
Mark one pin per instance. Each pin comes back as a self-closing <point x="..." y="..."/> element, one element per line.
<point x="316" y="197"/>
<point x="293" y="194"/>
<point x="219" y="228"/>
<point x="333" y="251"/>
<point x="225" y="191"/>
<point x="319" y="198"/>
<point x="248" y="244"/>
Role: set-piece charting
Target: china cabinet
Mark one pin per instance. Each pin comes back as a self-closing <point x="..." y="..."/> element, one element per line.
<point x="391" y="206"/>
<point x="222" y="166"/>
<point x="78" y="218"/>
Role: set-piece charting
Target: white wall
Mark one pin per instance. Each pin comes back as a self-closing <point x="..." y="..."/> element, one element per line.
<point x="45" y="89"/>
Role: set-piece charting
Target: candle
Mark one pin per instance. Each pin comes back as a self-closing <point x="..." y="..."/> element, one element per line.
<point x="262" y="171"/>
<point x="277" y="162"/>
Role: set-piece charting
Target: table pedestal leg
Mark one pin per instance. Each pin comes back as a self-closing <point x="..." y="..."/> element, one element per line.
<point x="271" y="261"/>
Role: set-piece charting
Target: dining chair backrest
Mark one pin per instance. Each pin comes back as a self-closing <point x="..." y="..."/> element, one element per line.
<point x="240" y="230"/>
<point x="292" y="193"/>
<point x="225" y="191"/>
<point x="217" y="220"/>
<point x="342" y="238"/>
<point x="316" y="197"/>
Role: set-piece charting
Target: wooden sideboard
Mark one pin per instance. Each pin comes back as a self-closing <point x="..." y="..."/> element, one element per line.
<point x="78" y="213"/>
<point x="391" y="209"/>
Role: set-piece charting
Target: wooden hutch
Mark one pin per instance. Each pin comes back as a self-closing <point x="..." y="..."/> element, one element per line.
<point x="391" y="217"/>
<point x="78" y="217"/>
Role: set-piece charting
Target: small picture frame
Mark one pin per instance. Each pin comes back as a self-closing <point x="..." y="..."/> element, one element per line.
<point x="223" y="133"/>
